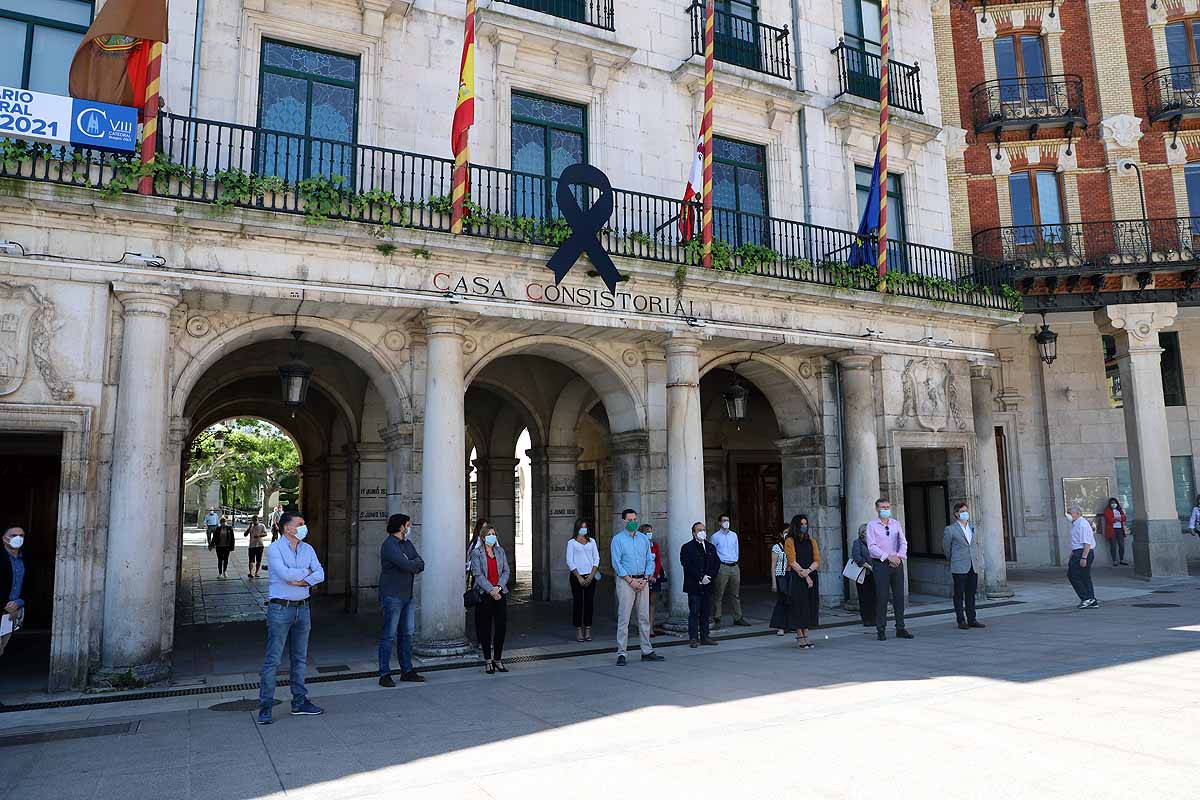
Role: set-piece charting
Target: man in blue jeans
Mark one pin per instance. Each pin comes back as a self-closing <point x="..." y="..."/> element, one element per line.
<point x="294" y="570"/>
<point x="399" y="566"/>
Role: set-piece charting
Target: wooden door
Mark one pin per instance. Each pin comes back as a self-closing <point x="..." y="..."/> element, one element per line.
<point x="758" y="518"/>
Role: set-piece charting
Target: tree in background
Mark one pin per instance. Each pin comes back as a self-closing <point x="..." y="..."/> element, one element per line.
<point x="248" y="457"/>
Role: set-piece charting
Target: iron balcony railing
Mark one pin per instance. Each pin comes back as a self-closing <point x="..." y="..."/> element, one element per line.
<point x="597" y="13"/>
<point x="1048" y="100"/>
<point x="1173" y="92"/>
<point x="744" y="42"/>
<point x="1080" y="246"/>
<point x="230" y="165"/>
<point x="859" y="72"/>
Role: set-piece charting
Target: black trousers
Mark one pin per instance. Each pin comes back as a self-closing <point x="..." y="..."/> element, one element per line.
<point x="1117" y="545"/>
<point x="1081" y="576"/>
<point x="866" y="600"/>
<point x="491" y="623"/>
<point x="255" y="557"/>
<point x="582" y="602"/>
<point x="965" y="586"/>
<point x="223" y="559"/>
<point x="889" y="580"/>
<point x="699" y="612"/>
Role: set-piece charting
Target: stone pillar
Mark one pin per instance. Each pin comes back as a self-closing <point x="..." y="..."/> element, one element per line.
<point x="443" y="487"/>
<point x="1157" y="546"/>
<point x="367" y="484"/>
<point x="560" y="483"/>
<point x="501" y="508"/>
<point x="625" y="451"/>
<point x="173" y="470"/>
<point x="539" y="509"/>
<point x="685" y="461"/>
<point x="133" y="577"/>
<point x="861" y="456"/>
<point x="988" y="512"/>
<point x="337" y="526"/>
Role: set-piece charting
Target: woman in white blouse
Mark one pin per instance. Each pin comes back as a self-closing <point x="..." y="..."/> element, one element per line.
<point x="583" y="559"/>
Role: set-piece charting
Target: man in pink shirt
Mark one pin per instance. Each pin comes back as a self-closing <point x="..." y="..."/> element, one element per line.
<point x="888" y="549"/>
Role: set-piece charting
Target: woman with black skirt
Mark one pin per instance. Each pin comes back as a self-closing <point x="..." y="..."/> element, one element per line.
<point x="804" y="559"/>
<point x="779" y="572"/>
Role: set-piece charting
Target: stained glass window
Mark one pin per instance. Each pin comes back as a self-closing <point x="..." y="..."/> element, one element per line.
<point x="739" y="192"/>
<point x="547" y="137"/>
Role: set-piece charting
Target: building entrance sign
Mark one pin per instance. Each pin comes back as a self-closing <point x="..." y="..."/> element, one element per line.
<point x="56" y="119"/>
<point x="553" y="294"/>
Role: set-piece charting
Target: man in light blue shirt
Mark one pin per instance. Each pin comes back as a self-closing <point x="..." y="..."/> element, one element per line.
<point x="294" y="570"/>
<point x="633" y="561"/>
<point x="211" y="521"/>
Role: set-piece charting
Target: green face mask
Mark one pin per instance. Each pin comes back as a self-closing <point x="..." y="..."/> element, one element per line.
<point x="631" y="526"/>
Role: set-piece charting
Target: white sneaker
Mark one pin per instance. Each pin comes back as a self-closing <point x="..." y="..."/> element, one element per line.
<point x="1093" y="603"/>
<point x="1084" y="604"/>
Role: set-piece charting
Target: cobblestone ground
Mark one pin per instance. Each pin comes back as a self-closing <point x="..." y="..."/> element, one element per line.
<point x="1044" y="703"/>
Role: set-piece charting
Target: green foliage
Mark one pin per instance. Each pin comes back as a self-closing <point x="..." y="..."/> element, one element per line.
<point x="753" y="256"/>
<point x="386" y="248"/>
<point x="1012" y="297"/>
<point x="646" y="240"/>
<point x="421" y="252"/>
<point x="722" y="253"/>
<point x="15" y="151"/>
<point x="254" y="459"/>
<point x="323" y="197"/>
<point x="383" y="203"/>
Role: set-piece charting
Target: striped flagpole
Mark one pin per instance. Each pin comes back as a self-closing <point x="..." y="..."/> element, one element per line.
<point x="150" y="114"/>
<point x="884" y="48"/>
<point x="707" y="129"/>
<point x="464" y="116"/>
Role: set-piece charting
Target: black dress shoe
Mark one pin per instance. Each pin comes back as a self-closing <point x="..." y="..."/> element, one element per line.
<point x="709" y="642"/>
<point x="903" y="634"/>
<point x="881" y="636"/>
<point x="412" y="676"/>
<point x="741" y="623"/>
<point x="976" y="625"/>
<point x="386" y="680"/>
<point x="620" y="661"/>
<point x="652" y="656"/>
<point x="693" y="643"/>
<point x="962" y="626"/>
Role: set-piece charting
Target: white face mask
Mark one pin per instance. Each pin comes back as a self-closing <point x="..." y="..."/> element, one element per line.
<point x="964" y="516"/>
<point x="16" y="542"/>
<point x="301" y="532"/>
<point x="701" y="536"/>
<point x="490" y="540"/>
<point x="583" y="531"/>
<point x="725" y="525"/>
<point x="1113" y="506"/>
<point x="650" y="535"/>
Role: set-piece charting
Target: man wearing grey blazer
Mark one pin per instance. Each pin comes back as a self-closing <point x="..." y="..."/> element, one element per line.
<point x="964" y="551"/>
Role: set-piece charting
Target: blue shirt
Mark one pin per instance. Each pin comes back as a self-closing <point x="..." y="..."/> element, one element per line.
<point x="631" y="555"/>
<point x="288" y="565"/>
<point x="18" y="570"/>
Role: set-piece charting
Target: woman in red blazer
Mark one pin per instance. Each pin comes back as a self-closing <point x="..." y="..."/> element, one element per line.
<point x="1116" y="523"/>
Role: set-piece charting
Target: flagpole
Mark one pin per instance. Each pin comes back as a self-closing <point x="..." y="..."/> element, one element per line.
<point x="884" y="49"/>
<point x="462" y="127"/>
<point x="707" y="130"/>
<point x="150" y="114"/>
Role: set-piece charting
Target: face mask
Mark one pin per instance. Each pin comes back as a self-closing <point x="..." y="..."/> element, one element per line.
<point x="1113" y="506"/>
<point x="725" y="525"/>
<point x="16" y="542"/>
<point x="583" y="531"/>
<point x="490" y="540"/>
<point x="650" y="534"/>
<point x="964" y="516"/>
<point x="631" y="526"/>
<point x="701" y="536"/>
<point x="301" y="532"/>
<point x="804" y="529"/>
<point x="885" y="513"/>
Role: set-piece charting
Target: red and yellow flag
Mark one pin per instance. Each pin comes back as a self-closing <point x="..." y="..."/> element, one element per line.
<point x="885" y="37"/>
<point x="464" y="117"/>
<point x="706" y="130"/>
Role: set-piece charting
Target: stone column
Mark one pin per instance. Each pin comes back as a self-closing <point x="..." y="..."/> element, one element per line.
<point x="443" y="487"/>
<point x="501" y="508"/>
<point x="988" y="512"/>
<point x="861" y="456"/>
<point x="1157" y="546"/>
<point x="173" y="470"/>
<point x="561" y="467"/>
<point x="538" y="513"/>
<point x="133" y="578"/>
<point x="685" y="461"/>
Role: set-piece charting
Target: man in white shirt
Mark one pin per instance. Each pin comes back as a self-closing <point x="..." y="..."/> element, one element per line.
<point x="211" y="521"/>
<point x="1079" y="568"/>
<point x="963" y="550"/>
<point x="729" y="579"/>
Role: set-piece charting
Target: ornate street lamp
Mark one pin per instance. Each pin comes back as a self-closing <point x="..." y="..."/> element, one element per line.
<point x="735" y="398"/>
<point x="1047" y="342"/>
<point x="295" y="376"/>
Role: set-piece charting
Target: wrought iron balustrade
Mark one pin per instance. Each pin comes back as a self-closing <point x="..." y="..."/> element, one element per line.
<point x="1014" y="103"/>
<point x="859" y="74"/>
<point x="229" y="165"/>
<point x="744" y="42"/>
<point x="597" y="13"/>
<point x="1108" y="244"/>
<point x="1173" y="93"/>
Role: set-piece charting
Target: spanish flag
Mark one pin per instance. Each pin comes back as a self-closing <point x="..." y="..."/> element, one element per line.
<point x="113" y="60"/>
<point x="464" y="117"/>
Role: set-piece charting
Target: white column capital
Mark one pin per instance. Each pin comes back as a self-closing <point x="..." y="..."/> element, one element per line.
<point x="149" y="301"/>
<point x="856" y="361"/>
<point x="1136" y="325"/>
<point x="683" y="344"/>
<point x="981" y="372"/>
<point x="439" y="322"/>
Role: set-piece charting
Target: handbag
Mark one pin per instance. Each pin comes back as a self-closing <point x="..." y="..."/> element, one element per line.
<point x="470" y="597"/>
<point x="854" y="572"/>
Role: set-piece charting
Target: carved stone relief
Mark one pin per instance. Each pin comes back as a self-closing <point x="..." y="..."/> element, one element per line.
<point x="27" y="320"/>
<point x="930" y="398"/>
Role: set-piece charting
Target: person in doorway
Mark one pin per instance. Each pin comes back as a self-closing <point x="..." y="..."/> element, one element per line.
<point x="633" y="563"/>
<point x="1194" y="519"/>
<point x="211" y="521"/>
<point x="294" y="570"/>
<point x="489" y="568"/>
<point x="257" y="533"/>
<point x="583" y="560"/>
<point x="964" y="551"/>
<point x="861" y="556"/>
<point x="658" y="581"/>
<point x="804" y="560"/>
<point x="1083" y="555"/>
<point x="1116" y="524"/>
<point x="12" y="581"/>
<point x="729" y="581"/>
<point x="700" y="569"/>
<point x="779" y="577"/>
<point x="223" y="541"/>
<point x="275" y="515"/>
<point x="888" y="549"/>
<point x="399" y="565"/>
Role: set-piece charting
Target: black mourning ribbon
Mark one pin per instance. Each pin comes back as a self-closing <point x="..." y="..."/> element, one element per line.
<point x="584" y="224"/>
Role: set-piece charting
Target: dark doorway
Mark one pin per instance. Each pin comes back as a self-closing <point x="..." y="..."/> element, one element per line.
<point x="1010" y="546"/>
<point x="585" y="496"/>
<point x="759" y="517"/>
<point x="927" y="512"/>
<point x="29" y="473"/>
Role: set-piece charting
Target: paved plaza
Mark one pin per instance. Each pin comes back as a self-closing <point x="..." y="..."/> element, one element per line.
<point x="1046" y="702"/>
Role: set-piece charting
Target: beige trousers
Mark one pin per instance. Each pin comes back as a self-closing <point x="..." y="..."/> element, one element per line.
<point x="729" y="579"/>
<point x="627" y="599"/>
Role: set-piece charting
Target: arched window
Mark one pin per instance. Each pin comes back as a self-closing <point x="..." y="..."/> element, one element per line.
<point x="1035" y="198"/>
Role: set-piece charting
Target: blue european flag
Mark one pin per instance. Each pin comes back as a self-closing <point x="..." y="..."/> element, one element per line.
<point x="864" y="251"/>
